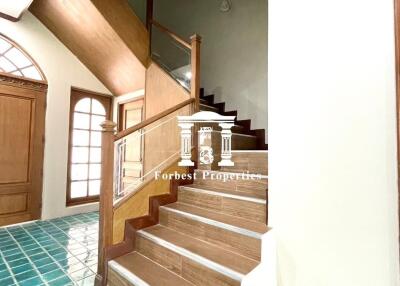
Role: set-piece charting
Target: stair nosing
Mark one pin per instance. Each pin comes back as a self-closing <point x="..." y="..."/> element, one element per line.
<point x="126" y="274"/>
<point x="209" y="106"/>
<point x="194" y="257"/>
<point x="216" y="223"/>
<point x="238" y="134"/>
<point x="237" y="197"/>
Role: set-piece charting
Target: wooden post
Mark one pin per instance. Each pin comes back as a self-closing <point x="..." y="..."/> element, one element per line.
<point x="149" y="14"/>
<point x="195" y="62"/>
<point x="195" y="86"/>
<point x="106" y="195"/>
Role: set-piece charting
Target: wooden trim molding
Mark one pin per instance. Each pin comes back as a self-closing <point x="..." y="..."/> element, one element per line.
<point x="10" y="18"/>
<point x="171" y="34"/>
<point x="17" y="81"/>
<point x="397" y="63"/>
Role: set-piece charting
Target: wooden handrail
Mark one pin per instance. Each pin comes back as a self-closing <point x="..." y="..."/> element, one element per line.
<point x="171" y="34"/>
<point x="151" y="120"/>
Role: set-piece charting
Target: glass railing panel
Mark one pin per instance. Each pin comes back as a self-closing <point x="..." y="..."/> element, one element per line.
<point x="141" y="154"/>
<point x="172" y="56"/>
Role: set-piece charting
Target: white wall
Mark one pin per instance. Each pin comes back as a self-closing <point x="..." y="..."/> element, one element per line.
<point x="332" y="139"/>
<point x="234" y="62"/>
<point x="62" y="70"/>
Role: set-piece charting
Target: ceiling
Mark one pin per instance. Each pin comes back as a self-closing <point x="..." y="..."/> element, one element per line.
<point x="13" y="9"/>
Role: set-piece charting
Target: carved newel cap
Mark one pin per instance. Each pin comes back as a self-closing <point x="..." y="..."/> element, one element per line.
<point x="108" y="126"/>
<point x="196" y="38"/>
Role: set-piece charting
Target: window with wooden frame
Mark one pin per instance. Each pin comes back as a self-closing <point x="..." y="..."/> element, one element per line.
<point x="88" y="111"/>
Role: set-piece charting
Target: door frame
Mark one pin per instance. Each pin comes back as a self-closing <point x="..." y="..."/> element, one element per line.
<point x="120" y="122"/>
<point x="75" y="95"/>
<point x="397" y="66"/>
<point x="39" y="87"/>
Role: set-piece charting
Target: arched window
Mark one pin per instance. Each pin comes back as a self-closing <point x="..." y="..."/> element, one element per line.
<point x="15" y="61"/>
<point x="88" y="111"/>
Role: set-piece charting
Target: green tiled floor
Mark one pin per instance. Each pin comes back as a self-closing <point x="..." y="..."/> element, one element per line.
<point x="56" y="252"/>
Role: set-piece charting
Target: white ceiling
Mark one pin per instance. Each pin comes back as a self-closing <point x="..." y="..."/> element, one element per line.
<point x="14" y="8"/>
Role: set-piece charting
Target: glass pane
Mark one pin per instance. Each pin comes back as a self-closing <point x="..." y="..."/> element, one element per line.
<point x="78" y="189"/>
<point x="96" y="121"/>
<point x="80" y="138"/>
<point x="81" y="121"/>
<point x="18" y="73"/>
<point x="97" y="107"/>
<point x="94" y="171"/>
<point x="172" y="56"/>
<point x="94" y="188"/>
<point x="95" y="155"/>
<point x="79" y="172"/>
<point x="83" y="105"/>
<point x="80" y="155"/>
<point x="32" y="72"/>
<point x="18" y="58"/>
<point x="95" y="139"/>
<point x="6" y="65"/>
<point x="4" y="45"/>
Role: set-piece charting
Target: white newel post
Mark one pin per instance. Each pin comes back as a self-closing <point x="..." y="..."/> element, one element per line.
<point x="186" y="144"/>
<point x="226" y="144"/>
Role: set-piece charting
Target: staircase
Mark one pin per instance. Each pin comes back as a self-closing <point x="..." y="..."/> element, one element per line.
<point x="212" y="234"/>
<point x="243" y="137"/>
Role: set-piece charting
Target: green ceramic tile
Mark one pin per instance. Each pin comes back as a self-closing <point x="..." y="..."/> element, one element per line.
<point x="7" y="282"/>
<point x="36" y="281"/>
<point x="26" y="275"/>
<point x="18" y="262"/>
<point x="15" y="257"/>
<point x="4" y="274"/>
<point x="53" y="275"/>
<point x="48" y="268"/>
<point x="57" y="251"/>
<point x="34" y="251"/>
<point x="22" y="268"/>
<point x="38" y="256"/>
<point x="43" y="262"/>
<point x="61" y="281"/>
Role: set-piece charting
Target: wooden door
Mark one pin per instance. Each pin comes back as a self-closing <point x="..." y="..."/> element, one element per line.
<point x="130" y="114"/>
<point x="22" y="119"/>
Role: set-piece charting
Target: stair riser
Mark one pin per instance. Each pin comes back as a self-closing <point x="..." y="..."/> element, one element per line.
<point x="181" y="265"/>
<point x="204" y="107"/>
<point x="256" y="163"/>
<point x="256" y="187"/>
<point x="114" y="279"/>
<point x="235" y="129"/>
<point x="233" y="241"/>
<point x="245" y="209"/>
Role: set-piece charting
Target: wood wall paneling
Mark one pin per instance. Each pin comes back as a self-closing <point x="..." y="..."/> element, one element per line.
<point x="162" y="91"/>
<point x="138" y="204"/>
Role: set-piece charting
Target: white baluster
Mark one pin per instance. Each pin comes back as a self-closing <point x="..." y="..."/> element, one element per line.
<point x="226" y="145"/>
<point x="186" y="144"/>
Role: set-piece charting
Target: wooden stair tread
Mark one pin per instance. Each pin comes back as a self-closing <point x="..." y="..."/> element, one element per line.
<point x="236" y="262"/>
<point x="257" y="227"/>
<point x="149" y="271"/>
<point x="221" y="191"/>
